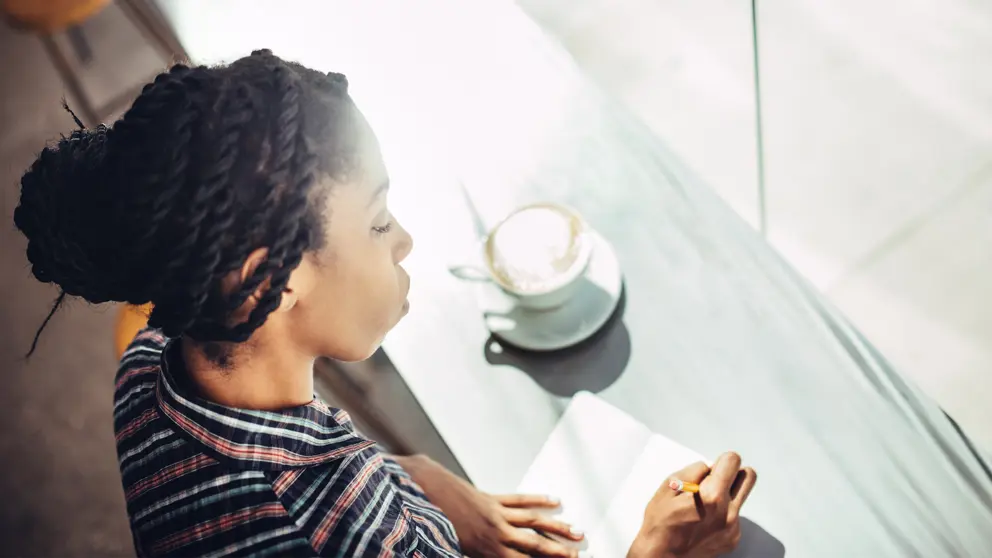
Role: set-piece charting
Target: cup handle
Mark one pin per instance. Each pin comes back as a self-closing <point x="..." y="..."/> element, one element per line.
<point x="470" y="273"/>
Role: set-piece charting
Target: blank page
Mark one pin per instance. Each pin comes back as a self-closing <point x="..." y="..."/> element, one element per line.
<point x="586" y="459"/>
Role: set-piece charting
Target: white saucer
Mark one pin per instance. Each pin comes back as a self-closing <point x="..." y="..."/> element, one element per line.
<point x="575" y="321"/>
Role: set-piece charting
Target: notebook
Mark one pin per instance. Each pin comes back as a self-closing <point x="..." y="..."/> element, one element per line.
<point x="605" y="466"/>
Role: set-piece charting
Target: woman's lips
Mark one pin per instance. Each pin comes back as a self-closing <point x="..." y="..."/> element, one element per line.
<point x="406" y="292"/>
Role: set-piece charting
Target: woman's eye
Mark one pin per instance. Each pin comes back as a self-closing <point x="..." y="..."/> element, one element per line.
<point x="383" y="229"/>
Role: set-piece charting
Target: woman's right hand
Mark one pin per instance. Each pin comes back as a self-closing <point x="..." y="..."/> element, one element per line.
<point x="703" y="525"/>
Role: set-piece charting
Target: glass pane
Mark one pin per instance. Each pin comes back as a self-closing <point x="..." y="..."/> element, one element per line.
<point x="685" y="68"/>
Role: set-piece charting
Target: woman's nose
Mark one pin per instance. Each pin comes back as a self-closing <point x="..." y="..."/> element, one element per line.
<point x="404" y="243"/>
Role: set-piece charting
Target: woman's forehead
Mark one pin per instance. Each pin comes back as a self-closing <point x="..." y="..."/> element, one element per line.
<point x="369" y="151"/>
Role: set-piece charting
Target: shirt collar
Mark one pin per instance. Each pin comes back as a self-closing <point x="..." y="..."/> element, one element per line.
<point x="301" y="436"/>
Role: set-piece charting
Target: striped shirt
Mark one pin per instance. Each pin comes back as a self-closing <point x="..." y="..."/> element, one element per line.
<point x="201" y="479"/>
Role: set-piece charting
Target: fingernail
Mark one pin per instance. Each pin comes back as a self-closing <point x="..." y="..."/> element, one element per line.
<point x="575" y="531"/>
<point x="554" y="500"/>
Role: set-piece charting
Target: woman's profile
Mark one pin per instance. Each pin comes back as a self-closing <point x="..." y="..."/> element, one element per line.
<point x="247" y="203"/>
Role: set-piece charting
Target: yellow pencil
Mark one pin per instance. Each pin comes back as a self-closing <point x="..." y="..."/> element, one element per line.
<point x="682" y="486"/>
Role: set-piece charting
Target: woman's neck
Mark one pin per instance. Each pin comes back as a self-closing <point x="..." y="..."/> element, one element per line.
<point x="263" y="377"/>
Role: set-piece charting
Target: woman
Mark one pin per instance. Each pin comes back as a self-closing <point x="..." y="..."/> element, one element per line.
<point x="247" y="203"/>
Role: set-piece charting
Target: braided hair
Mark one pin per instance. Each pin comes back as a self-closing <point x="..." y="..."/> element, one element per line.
<point x="207" y="165"/>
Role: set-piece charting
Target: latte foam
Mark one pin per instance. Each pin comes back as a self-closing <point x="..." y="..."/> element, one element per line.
<point x="534" y="249"/>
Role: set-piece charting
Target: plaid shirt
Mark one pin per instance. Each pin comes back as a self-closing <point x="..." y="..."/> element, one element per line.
<point x="202" y="479"/>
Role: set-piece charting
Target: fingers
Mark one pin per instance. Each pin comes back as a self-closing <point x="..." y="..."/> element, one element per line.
<point x="743" y="483"/>
<point x="532" y="544"/>
<point x="693" y="473"/>
<point x="540" y="522"/>
<point x="527" y="501"/>
<point x="722" y="475"/>
<point x="714" y="490"/>
<point x="507" y="552"/>
<point x="724" y="471"/>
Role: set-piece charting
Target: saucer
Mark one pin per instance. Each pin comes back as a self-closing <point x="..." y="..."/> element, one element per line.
<point x="596" y="297"/>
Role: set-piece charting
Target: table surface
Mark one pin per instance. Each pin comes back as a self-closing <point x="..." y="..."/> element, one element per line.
<point x="719" y="344"/>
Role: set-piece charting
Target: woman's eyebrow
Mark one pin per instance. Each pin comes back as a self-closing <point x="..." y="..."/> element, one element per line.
<point x="381" y="189"/>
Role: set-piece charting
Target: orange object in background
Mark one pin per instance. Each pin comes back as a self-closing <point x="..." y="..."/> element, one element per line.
<point x="130" y="320"/>
<point x="51" y="16"/>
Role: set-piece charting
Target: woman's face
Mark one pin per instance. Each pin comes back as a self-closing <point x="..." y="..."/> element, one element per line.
<point x="353" y="291"/>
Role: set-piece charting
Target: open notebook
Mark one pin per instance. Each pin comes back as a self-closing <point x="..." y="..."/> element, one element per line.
<point x="605" y="466"/>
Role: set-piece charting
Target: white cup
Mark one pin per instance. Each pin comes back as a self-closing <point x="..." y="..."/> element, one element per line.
<point x="536" y="255"/>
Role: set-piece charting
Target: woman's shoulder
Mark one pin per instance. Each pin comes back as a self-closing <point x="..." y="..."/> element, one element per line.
<point x="148" y="339"/>
<point x="145" y="348"/>
<point x="143" y="354"/>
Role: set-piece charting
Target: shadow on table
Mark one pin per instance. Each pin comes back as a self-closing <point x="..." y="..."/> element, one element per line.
<point x="592" y="365"/>
<point x="757" y="543"/>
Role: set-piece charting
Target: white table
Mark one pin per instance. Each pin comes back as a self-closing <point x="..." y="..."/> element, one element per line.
<point x="721" y="345"/>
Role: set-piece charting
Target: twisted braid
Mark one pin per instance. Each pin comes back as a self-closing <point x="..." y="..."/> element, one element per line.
<point x="208" y="165"/>
<point x="288" y="147"/>
<point x="285" y="130"/>
<point x="149" y="161"/>
<point x="236" y="110"/>
<point x="189" y="260"/>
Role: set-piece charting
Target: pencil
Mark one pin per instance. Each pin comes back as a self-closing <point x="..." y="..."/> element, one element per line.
<point x="682" y="486"/>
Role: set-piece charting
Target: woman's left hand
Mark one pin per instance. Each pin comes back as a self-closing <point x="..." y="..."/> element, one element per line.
<point x="489" y="525"/>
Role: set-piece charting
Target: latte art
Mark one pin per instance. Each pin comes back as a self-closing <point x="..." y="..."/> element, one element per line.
<point x="534" y="249"/>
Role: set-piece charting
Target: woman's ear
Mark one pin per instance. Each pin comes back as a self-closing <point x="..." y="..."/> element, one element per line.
<point x="232" y="282"/>
<point x="252" y="262"/>
<point x="288" y="300"/>
<point x="301" y="283"/>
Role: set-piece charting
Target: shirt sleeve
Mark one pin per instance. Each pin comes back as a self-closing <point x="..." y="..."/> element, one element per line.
<point x="434" y="528"/>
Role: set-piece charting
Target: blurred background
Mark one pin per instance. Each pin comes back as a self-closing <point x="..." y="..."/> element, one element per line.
<point x="854" y="135"/>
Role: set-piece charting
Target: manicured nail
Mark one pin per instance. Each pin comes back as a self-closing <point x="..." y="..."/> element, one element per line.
<point x="576" y="532"/>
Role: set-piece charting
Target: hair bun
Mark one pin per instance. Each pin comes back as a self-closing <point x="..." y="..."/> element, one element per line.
<point x="60" y="192"/>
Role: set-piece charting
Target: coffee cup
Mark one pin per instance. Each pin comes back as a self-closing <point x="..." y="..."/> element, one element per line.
<point x="537" y="255"/>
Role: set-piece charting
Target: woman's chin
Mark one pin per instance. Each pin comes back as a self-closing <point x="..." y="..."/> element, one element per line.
<point x="404" y="310"/>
